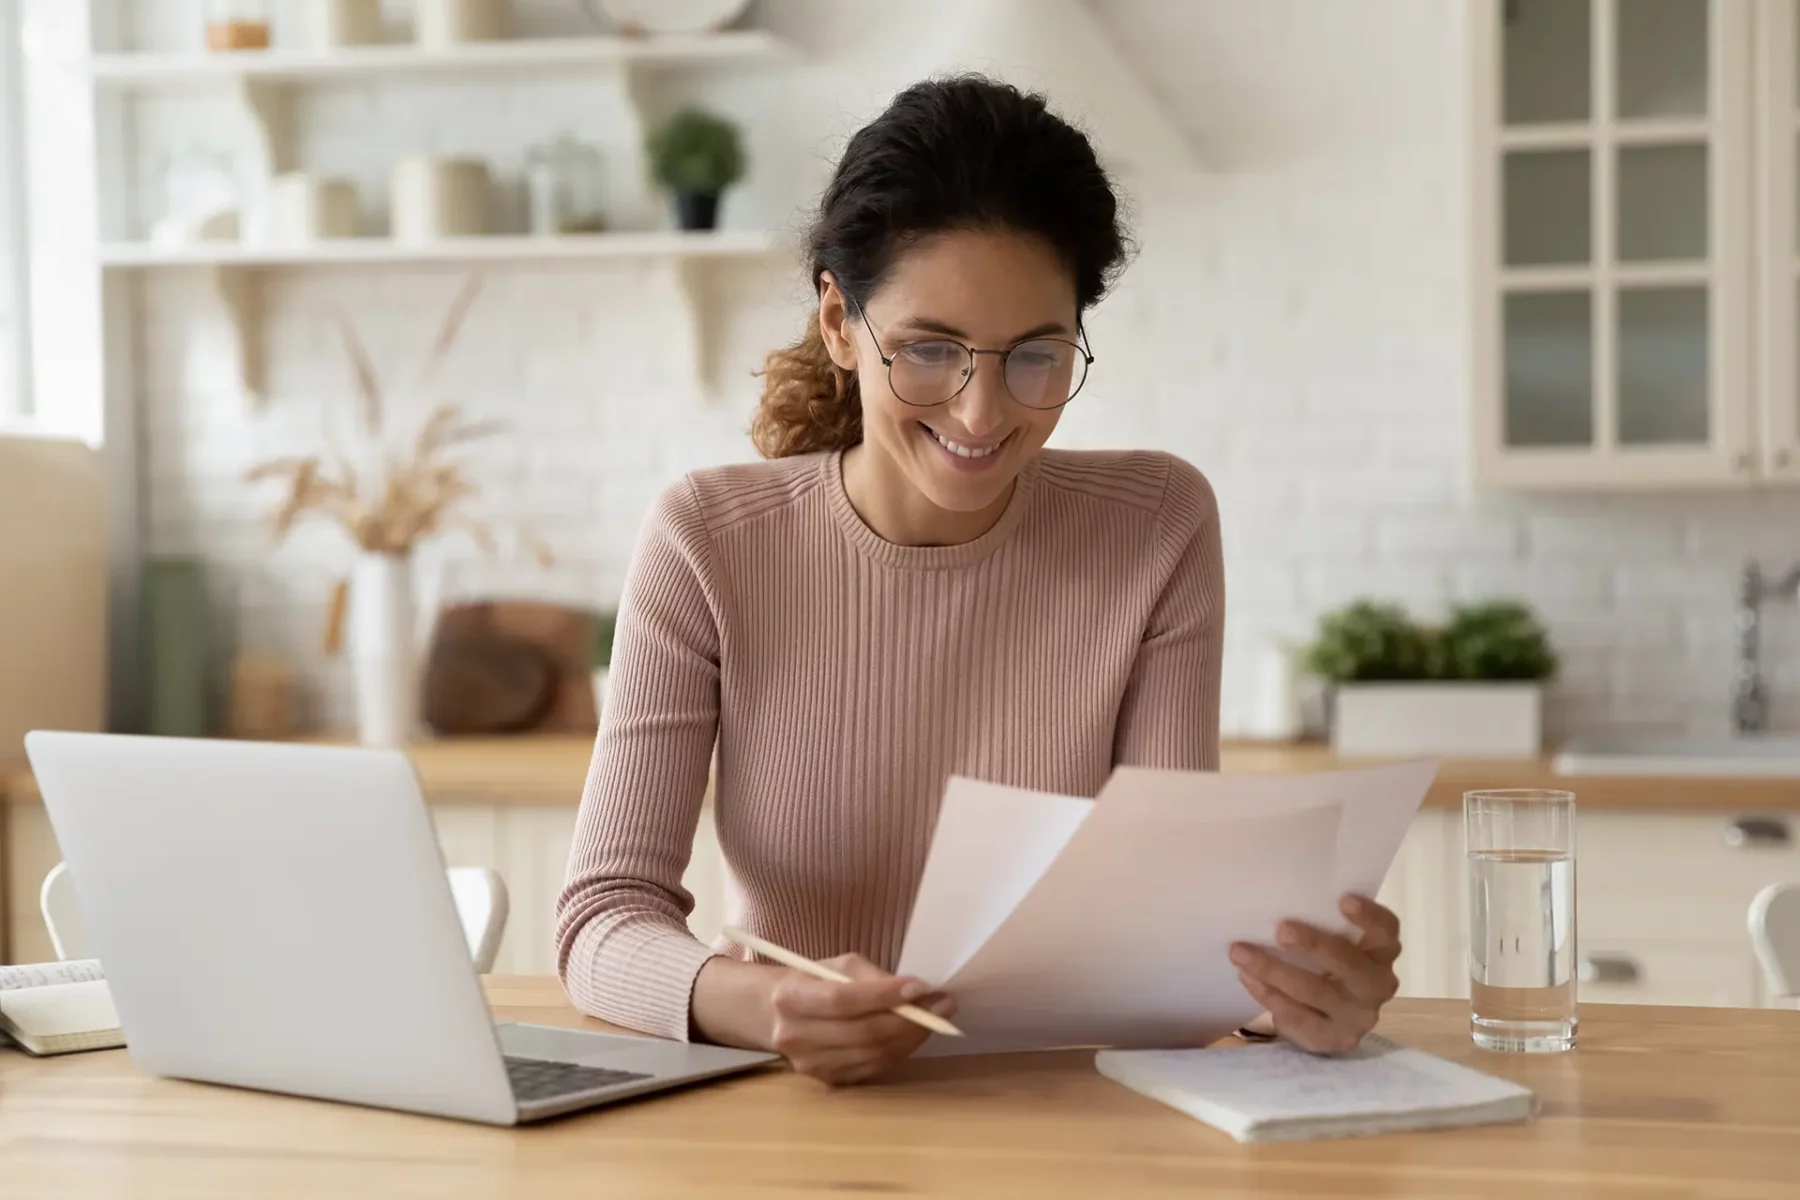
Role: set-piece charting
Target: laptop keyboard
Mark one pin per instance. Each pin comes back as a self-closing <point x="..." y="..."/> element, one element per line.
<point x="540" y="1079"/>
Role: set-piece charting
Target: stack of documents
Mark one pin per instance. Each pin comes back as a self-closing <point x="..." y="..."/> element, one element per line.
<point x="1057" y="921"/>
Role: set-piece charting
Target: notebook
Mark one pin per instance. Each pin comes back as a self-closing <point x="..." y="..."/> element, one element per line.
<point x="58" y="1008"/>
<point x="1277" y="1093"/>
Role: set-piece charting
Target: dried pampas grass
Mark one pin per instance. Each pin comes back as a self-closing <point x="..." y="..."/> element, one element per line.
<point x="413" y="496"/>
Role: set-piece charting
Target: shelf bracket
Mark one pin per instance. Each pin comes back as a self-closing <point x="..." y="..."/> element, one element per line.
<point x="240" y="292"/>
<point x="690" y="288"/>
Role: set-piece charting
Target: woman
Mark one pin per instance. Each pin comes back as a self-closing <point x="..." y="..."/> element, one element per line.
<point x="912" y="588"/>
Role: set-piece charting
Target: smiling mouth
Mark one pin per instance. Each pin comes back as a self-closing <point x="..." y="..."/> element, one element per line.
<point x="962" y="451"/>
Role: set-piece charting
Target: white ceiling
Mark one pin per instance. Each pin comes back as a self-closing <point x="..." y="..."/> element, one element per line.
<point x="1254" y="79"/>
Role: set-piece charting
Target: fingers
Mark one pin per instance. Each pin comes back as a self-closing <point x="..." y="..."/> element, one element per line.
<point x="845" y="1032"/>
<point x="1366" y="975"/>
<point x="870" y="990"/>
<point x="1302" y="985"/>
<point x="1380" y="925"/>
<point x="1302" y="1024"/>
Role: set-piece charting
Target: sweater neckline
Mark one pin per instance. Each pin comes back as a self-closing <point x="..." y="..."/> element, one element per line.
<point x="924" y="558"/>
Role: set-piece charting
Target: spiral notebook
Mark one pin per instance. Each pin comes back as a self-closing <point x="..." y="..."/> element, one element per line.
<point x="1277" y="1093"/>
<point x="58" y="1008"/>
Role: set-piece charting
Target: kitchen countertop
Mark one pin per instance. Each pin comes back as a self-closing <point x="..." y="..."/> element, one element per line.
<point x="1654" y="1102"/>
<point x="533" y="770"/>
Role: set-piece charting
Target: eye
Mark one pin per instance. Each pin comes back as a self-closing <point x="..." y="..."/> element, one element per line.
<point x="933" y="354"/>
<point x="1038" y="356"/>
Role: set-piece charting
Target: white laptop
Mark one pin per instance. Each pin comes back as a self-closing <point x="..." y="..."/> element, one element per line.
<point x="278" y="917"/>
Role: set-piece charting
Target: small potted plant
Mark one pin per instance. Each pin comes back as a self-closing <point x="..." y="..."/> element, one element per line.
<point x="1472" y="687"/>
<point x="600" y="657"/>
<point x="697" y="155"/>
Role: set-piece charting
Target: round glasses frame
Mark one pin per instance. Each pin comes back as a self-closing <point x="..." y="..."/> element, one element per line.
<point x="1005" y="356"/>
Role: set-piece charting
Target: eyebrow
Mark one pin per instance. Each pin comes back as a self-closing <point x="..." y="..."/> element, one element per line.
<point x="929" y="325"/>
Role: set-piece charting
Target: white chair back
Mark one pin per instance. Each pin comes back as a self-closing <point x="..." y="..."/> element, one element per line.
<point x="1775" y="935"/>
<point x="481" y="903"/>
<point x="62" y="916"/>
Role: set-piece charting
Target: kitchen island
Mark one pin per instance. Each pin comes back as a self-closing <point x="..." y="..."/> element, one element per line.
<point x="1654" y="1102"/>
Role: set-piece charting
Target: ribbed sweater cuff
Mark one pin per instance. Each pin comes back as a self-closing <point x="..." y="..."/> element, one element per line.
<point x="640" y="976"/>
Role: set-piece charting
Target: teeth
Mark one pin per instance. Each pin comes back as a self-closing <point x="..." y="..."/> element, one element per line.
<point x="957" y="448"/>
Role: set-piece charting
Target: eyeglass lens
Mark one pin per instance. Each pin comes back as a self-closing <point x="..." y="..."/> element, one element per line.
<point x="1042" y="373"/>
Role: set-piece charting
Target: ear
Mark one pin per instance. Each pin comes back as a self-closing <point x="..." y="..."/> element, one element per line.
<point x="837" y="325"/>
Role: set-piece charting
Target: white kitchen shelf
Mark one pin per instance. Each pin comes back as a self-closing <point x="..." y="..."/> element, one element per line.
<point x="342" y="251"/>
<point x="236" y="271"/>
<point x="352" y="62"/>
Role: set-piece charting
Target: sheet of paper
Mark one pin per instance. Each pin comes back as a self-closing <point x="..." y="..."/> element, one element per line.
<point x="32" y="975"/>
<point x="1122" y="939"/>
<point x="1382" y="802"/>
<point x="991" y="846"/>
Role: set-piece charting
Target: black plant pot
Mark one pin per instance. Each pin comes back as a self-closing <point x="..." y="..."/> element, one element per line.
<point x="697" y="210"/>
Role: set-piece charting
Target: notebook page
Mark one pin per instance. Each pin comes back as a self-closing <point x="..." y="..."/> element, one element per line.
<point x="33" y="975"/>
<point x="1279" y="1082"/>
<point x="55" y="1011"/>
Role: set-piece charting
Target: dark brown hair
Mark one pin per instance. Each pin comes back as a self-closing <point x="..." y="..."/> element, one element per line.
<point x="959" y="153"/>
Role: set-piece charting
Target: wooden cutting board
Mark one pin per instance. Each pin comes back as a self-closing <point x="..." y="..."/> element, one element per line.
<point x="510" y="667"/>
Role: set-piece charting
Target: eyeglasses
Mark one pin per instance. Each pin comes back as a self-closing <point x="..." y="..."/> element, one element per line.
<point x="1041" y="373"/>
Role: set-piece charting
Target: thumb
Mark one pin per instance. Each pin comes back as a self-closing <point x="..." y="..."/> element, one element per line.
<point x="874" y="986"/>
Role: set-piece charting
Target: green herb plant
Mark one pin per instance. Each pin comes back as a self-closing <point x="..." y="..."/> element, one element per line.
<point x="697" y="152"/>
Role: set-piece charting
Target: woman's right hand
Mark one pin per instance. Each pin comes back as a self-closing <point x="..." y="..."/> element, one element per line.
<point x="844" y="1032"/>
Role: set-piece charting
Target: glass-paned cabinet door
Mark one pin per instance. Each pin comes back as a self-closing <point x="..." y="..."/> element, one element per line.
<point x="1778" y="120"/>
<point x="1613" y="292"/>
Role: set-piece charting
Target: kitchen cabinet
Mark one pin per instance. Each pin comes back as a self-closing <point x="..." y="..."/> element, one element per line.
<point x="1633" y="214"/>
<point x="1661" y="904"/>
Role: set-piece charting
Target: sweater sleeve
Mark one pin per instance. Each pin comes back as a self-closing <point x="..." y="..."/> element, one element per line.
<point x="623" y="949"/>
<point x="1169" y="716"/>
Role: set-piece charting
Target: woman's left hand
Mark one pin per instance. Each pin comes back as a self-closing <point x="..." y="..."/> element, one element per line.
<point x="1326" y="1013"/>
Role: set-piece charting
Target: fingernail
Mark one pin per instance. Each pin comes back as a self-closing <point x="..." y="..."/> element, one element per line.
<point x="1352" y="905"/>
<point x="1287" y="935"/>
<point x="1240" y="955"/>
<point x="912" y="989"/>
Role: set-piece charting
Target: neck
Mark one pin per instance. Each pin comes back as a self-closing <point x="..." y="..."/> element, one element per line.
<point x="888" y="503"/>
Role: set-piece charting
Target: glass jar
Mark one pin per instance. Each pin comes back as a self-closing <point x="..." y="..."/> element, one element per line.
<point x="563" y="187"/>
<point x="237" y="25"/>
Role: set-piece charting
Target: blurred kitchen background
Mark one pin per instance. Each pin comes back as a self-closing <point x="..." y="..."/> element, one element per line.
<point x="1457" y="303"/>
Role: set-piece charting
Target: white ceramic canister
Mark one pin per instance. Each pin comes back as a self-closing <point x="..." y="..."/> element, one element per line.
<point x="454" y="22"/>
<point x="309" y="208"/>
<point x="439" y="198"/>
<point x="330" y="24"/>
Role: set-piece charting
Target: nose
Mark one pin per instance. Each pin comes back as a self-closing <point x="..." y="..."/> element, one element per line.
<point x="981" y="408"/>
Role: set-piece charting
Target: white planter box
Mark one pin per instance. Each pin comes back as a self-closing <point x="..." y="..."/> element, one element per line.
<point x="1480" y="720"/>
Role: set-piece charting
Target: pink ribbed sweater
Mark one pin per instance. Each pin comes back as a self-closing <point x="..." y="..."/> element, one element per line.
<point x="844" y="678"/>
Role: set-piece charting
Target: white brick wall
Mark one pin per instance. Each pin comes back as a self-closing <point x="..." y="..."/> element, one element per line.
<point x="1294" y="326"/>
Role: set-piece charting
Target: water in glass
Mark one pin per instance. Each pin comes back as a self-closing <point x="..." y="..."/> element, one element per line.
<point x="1522" y="949"/>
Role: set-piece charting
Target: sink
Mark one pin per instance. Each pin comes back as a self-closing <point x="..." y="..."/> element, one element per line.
<point x="1761" y="755"/>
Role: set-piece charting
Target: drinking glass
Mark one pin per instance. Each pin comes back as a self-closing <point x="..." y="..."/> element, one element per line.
<point x="1520" y="850"/>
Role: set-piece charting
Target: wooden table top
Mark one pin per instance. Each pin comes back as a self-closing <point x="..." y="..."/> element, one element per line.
<point x="1655" y="1102"/>
<point x="532" y="770"/>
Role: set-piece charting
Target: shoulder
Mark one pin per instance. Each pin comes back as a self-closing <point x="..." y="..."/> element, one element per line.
<point x="710" y="501"/>
<point x="1169" y="491"/>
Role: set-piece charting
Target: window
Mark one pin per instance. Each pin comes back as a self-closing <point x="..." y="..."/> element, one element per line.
<point x="15" y="307"/>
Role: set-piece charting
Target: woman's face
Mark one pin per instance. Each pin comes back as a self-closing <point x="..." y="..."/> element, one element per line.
<point x="989" y="291"/>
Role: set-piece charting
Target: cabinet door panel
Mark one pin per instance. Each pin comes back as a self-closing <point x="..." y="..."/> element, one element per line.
<point x="1630" y="214"/>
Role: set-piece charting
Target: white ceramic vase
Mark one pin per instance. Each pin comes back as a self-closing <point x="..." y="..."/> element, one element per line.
<point x="383" y="655"/>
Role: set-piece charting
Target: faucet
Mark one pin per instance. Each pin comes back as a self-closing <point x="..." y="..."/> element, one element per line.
<point x="1750" y="699"/>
